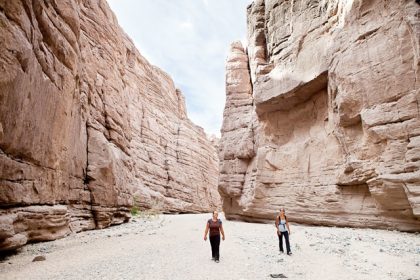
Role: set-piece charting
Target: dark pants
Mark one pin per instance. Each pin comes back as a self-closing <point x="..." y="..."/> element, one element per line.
<point x="215" y="244"/>
<point x="286" y="237"/>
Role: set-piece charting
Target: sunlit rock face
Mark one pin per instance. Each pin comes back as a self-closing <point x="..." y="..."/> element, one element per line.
<point x="88" y="127"/>
<point x="322" y="115"/>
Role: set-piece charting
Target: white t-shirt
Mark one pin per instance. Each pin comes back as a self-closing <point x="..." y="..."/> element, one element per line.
<point x="282" y="225"/>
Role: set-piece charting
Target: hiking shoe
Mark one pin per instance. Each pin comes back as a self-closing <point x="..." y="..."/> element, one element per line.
<point x="290" y="253"/>
<point x="217" y="261"/>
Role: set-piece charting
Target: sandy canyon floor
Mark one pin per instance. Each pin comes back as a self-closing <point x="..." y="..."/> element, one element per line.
<point x="172" y="247"/>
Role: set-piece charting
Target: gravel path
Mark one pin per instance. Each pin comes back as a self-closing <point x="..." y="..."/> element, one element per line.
<point x="171" y="247"/>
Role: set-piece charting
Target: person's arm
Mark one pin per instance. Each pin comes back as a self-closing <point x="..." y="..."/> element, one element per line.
<point x="222" y="232"/>
<point x="288" y="227"/>
<point x="277" y="225"/>
<point x="206" y="231"/>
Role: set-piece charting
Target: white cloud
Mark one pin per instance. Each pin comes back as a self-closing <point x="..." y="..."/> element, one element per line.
<point x="186" y="25"/>
<point x="189" y="39"/>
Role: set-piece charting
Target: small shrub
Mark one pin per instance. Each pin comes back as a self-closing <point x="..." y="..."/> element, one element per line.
<point x="134" y="211"/>
<point x="135" y="208"/>
<point x="148" y="214"/>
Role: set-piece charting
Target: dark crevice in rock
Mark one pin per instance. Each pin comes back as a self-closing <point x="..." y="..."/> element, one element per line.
<point x="367" y="35"/>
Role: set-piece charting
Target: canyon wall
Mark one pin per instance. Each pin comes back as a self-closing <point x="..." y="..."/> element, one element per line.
<point x="322" y="115"/>
<point x="88" y="127"/>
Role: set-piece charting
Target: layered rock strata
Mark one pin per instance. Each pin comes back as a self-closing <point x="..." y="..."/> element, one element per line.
<point x="322" y="115"/>
<point x="88" y="127"/>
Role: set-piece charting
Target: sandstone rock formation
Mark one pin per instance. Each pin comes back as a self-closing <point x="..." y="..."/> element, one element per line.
<point x="322" y="114"/>
<point x="87" y="126"/>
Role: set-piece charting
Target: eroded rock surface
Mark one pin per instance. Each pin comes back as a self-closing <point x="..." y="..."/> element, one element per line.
<point x="88" y="127"/>
<point x="322" y="114"/>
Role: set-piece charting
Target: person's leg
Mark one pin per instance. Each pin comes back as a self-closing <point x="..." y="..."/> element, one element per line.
<point x="286" y="237"/>
<point x="217" y="247"/>
<point x="213" y="246"/>
<point x="281" y="242"/>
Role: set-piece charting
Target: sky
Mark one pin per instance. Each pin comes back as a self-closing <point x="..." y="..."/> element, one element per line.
<point x="189" y="39"/>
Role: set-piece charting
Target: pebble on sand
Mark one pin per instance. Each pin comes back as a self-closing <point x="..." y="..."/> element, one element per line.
<point x="39" y="259"/>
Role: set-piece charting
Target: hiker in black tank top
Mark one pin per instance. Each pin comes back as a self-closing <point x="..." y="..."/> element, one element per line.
<point x="214" y="228"/>
<point x="283" y="230"/>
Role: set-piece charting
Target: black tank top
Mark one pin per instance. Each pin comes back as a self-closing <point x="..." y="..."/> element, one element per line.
<point x="214" y="227"/>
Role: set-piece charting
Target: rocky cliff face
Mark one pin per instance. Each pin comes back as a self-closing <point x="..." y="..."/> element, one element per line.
<point x="87" y="126"/>
<point x="322" y="114"/>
